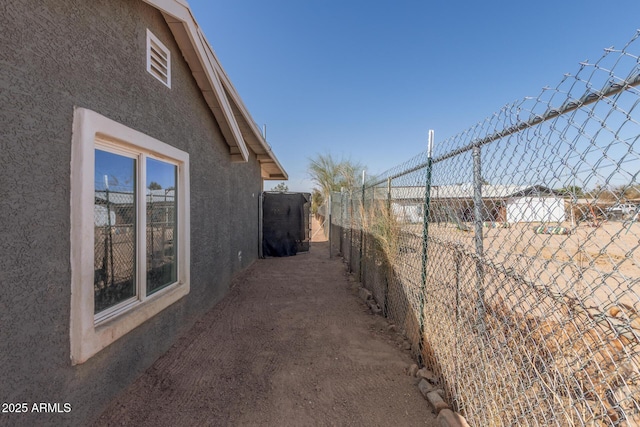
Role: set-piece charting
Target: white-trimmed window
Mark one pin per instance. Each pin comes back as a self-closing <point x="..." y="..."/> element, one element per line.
<point x="158" y="59"/>
<point x="129" y="230"/>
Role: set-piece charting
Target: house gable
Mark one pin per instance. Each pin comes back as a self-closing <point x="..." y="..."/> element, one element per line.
<point x="238" y="128"/>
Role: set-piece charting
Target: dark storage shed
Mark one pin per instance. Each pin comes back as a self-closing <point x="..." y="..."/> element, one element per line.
<point x="284" y="223"/>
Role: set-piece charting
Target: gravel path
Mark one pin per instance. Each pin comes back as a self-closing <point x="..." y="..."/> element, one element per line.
<point x="291" y="344"/>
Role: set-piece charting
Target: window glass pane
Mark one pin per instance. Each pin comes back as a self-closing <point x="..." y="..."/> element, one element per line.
<point x="162" y="266"/>
<point x="114" y="221"/>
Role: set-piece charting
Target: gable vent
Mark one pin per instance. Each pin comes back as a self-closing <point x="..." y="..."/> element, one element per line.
<point x="158" y="59"/>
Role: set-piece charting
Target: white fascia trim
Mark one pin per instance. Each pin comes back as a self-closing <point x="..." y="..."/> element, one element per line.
<point x="181" y="12"/>
<point x="226" y="82"/>
<point x="87" y="338"/>
<point x="211" y="64"/>
<point x="217" y="77"/>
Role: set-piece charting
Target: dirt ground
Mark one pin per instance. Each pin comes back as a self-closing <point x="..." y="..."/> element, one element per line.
<point x="599" y="265"/>
<point x="291" y="344"/>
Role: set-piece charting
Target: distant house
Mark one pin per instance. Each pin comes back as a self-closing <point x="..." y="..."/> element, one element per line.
<point x="98" y="274"/>
<point x="501" y="203"/>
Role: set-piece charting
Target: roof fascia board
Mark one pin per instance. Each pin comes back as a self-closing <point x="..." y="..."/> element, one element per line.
<point x="245" y="112"/>
<point x="210" y="64"/>
<point x="177" y="11"/>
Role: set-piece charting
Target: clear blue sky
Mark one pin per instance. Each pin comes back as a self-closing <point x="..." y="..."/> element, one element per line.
<point x="365" y="80"/>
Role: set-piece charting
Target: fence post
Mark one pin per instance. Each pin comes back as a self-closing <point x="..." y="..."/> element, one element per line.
<point x="106" y="183"/>
<point x="425" y="238"/>
<point x="260" y="225"/>
<point x="330" y="224"/>
<point x="457" y="261"/>
<point x="342" y="232"/>
<point x="351" y="225"/>
<point x="389" y="195"/>
<point x="386" y="261"/>
<point x="479" y="241"/>
<point x="360" y="275"/>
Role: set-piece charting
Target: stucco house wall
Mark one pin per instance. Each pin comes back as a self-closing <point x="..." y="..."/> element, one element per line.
<point x="62" y="54"/>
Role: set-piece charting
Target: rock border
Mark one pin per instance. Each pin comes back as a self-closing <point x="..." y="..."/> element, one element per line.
<point x="446" y="417"/>
<point x="435" y="396"/>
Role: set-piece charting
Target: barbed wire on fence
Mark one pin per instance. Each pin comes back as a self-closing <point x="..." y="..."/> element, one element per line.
<point x="510" y="255"/>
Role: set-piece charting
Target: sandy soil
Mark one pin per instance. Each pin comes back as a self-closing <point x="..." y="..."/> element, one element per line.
<point x="600" y="266"/>
<point x="291" y="344"/>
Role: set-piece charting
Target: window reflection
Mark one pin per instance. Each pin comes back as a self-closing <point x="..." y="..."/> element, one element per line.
<point x="161" y="201"/>
<point x="114" y="235"/>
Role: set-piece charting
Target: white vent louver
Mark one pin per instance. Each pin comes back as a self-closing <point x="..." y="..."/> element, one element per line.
<point x="158" y="59"/>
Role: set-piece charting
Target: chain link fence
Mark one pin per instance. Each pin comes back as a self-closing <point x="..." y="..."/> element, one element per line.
<point x="510" y="255"/>
<point x="116" y="244"/>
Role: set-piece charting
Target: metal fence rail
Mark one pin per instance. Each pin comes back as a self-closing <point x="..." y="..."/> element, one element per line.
<point x="510" y="255"/>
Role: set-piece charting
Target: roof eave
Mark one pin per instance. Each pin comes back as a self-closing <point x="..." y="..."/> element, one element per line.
<point x="251" y="131"/>
<point x="217" y="89"/>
